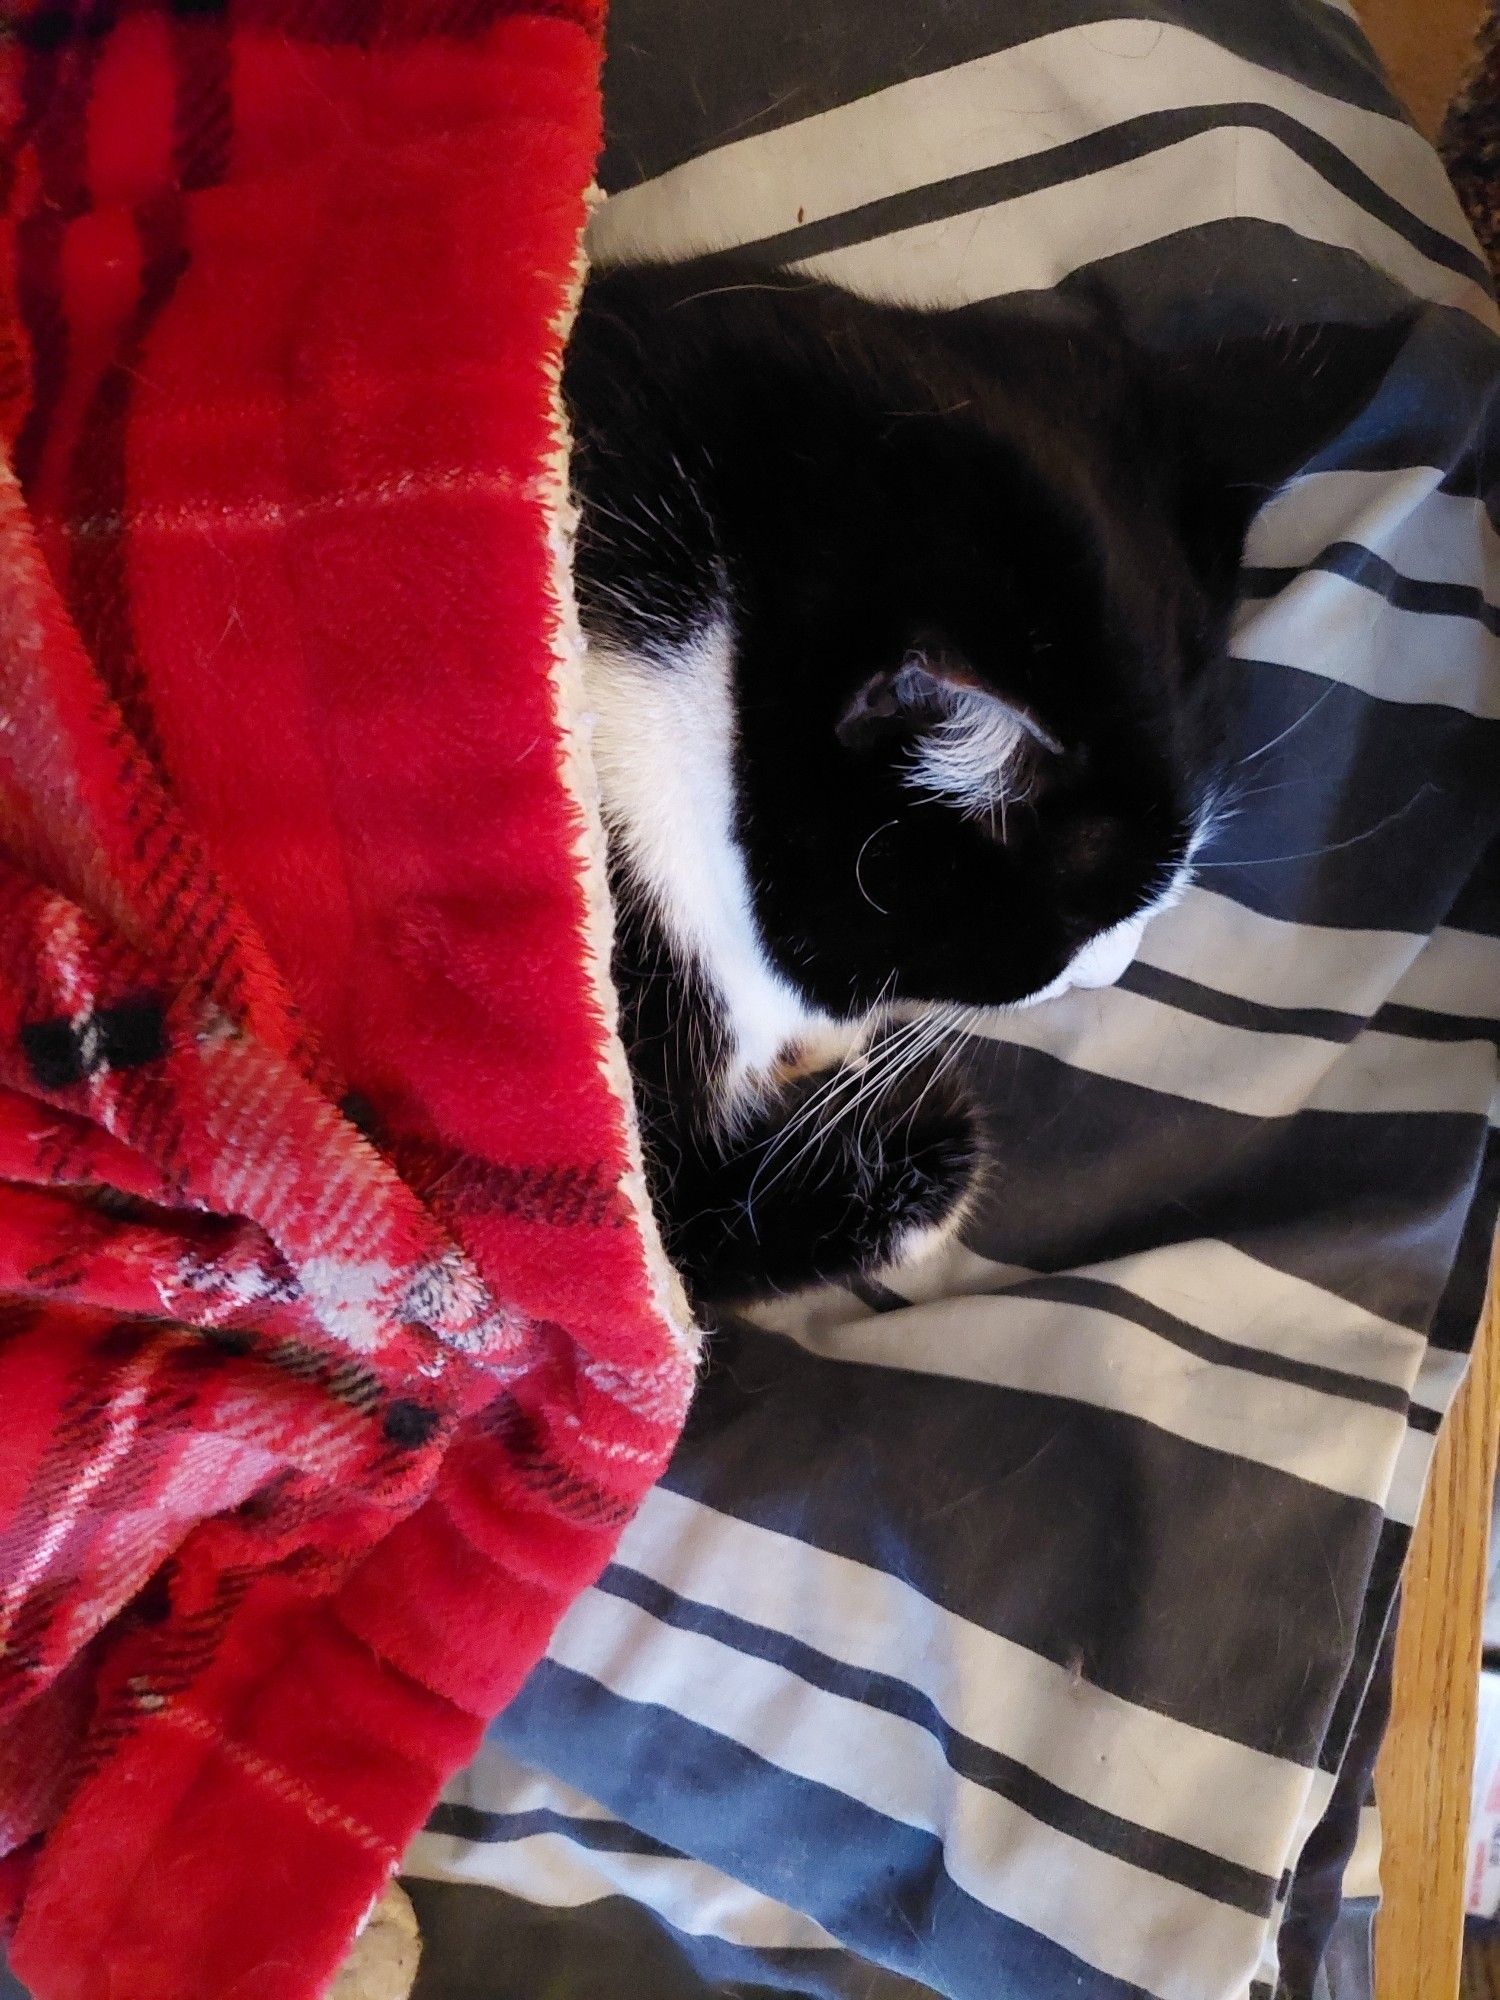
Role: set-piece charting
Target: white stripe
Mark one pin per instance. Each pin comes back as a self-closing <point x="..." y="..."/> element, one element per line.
<point x="1127" y="1922"/>
<point x="550" y="1870"/>
<point x="1152" y="1044"/>
<point x="1034" y="241"/>
<point x="1409" y="1480"/>
<point x="950" y="1270"/>
<point x="1393" y="1073"/>
<point x="1456" y="972"/>
<point x="1211" y="1285"/>
<point x="1312" y="1813"/>
<point x="1231" y="949"/>
<point x="496" y="1782"/>
<point x="1326" y="625"/>
<point x="1268" y="1972"/>
<point x="1224" y="1291"/>
<point x="1429" y="535"/>
<point x="1002" y="107"/>
<point x="1362" y="1869"/>
<point x="822" y="1307"/>
<point x="698" y="1898"/>
<point x="1268" y="1967"/>
<point x="1439" y="1379"/>
<point x="941" y="1270"/>
<point x="1089" y="1355"/>
<point x="1229" y="1800"/>
<point x="129" y="1397"/>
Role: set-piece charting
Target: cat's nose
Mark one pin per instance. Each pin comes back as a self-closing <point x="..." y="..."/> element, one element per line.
<point x="1105" y="957"/>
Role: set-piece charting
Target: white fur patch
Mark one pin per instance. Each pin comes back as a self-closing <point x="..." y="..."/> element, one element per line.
<point x="969" y="757"/>
<point x="1104" y="958"/>
<point x="921" y="1241"/>
<point x="664" y="750"/>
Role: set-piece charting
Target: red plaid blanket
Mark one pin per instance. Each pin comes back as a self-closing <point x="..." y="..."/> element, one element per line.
<point x="335" y="1344"/>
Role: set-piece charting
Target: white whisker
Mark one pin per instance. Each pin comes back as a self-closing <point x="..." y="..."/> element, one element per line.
<point x="1333" y="847"/>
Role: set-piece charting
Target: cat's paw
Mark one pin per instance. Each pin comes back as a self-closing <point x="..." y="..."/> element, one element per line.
<point x="842" y="1176"/>
<point x="919" y="1167"/>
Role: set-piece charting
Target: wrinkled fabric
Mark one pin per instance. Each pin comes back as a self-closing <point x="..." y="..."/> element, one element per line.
<point x="335" y="1342"/>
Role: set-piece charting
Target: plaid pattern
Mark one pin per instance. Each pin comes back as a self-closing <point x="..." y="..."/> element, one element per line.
<point x="335" y="1345"/>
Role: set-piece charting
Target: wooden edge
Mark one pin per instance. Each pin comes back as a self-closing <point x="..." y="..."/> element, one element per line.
<point x="1426" y="45"/>
<point x="1423" y="1777"/>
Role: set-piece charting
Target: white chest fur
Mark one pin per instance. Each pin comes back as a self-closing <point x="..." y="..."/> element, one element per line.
<point x="664" y="750"/>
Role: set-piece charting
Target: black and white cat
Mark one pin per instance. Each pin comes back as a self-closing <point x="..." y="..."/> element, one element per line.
<point x="898" y="627"/>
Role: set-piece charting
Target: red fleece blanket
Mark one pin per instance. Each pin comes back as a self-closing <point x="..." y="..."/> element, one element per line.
<point x="335" y="1341"/>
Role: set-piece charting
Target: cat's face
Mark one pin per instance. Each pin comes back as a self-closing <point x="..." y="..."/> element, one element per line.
<point x="1005" y="743"/>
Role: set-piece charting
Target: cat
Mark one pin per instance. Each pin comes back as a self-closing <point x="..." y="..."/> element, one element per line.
<point x="898" y="635"/>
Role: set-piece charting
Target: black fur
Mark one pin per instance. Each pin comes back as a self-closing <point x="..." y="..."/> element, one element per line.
<point x="759" y="1211"/>
<point x="891" y="505"/>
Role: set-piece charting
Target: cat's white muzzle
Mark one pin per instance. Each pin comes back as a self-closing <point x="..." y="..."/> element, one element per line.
<point x="1105" y="957"/>
<point x="1100" y="963"/>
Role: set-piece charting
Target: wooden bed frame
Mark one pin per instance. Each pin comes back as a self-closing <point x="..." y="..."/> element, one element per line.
<point x="1422" y="1782"/>
<point x="1423" y="1779"/>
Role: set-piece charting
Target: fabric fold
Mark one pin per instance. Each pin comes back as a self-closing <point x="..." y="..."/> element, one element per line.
<point x="336" y="1341"/>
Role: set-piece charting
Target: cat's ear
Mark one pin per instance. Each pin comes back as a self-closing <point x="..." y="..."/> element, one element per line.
<point x="1246" y="414"/>
<point x="965" y="742"/>
<point x="933" y="689"/>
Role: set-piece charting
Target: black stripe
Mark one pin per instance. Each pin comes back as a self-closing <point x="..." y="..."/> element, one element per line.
<point x="1374" y="1621"/>
<point x="1422" y="1419"/>
<point x="1316" y="1890"/>
<point x="480" y="1942"/>
<point x="1231" y="279"/>
<point x="1090" y="1168"/>
<point x="56" y="84"/>
<point x="492" y="1829"/>
<point x="1231" y="1010"/>
<point x="1101" y="1541"/>
<point x="680" y="82"/>
<point x="1424" y="1025"/>
<point x="878" y="1883"/>
<point x="1112" y="146"/>
<point x="1369" y="814"/>
<point x="1476" y="907"/>
<point x="1323" y="1024"/>
<point x="1458" y="1311"/>
<point x="1160" y="1854"/>
<point x="98" y="568"/>
<point x="203" y="116"/>
<point x="1360" y="565"/>
<point x="878" y="1297"/>
<point x="1100" y="1296"/>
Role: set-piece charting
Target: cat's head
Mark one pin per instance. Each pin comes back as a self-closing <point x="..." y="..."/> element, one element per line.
<point x="995" y="771"/>
<point x="979" y="641"/>
<point x="949" y="593"/>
